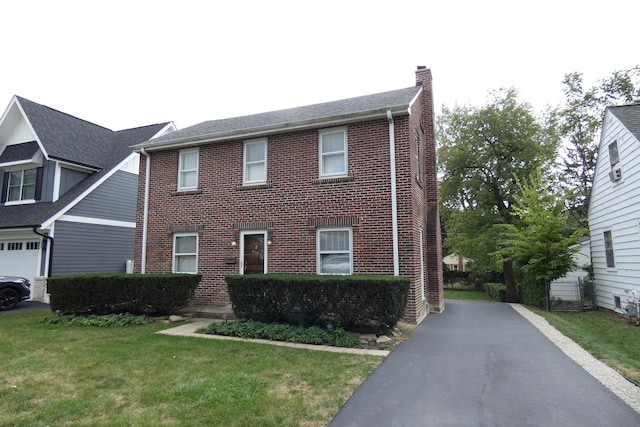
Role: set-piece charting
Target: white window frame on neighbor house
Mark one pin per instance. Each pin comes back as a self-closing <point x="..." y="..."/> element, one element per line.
<point x="614" y="154"/>
<point x="333" y="251"/>
<point x="250" y="165"/>
<point x="185" y="170"/>
<point x="20" y="187"/>
<point x="609" y="254"/>
<point x="177" y="254"/>
<point x="325" y="152"/>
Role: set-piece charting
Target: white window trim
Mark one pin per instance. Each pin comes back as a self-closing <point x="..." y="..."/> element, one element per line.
<point x="21" y="201"/>
<point x="321" y="157"/>
<point x="613" y="253"/>
<point x="181" y="170"/>
<point x="245" y="164"/>
<point x="318" y="253"/>
<point x="173" y="250"/>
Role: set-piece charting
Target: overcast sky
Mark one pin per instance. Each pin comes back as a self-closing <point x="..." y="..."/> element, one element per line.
<point x="124" y="64"/>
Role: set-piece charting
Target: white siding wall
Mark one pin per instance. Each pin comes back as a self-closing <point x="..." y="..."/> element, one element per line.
<point x="566" y="288"/>
<point x="615" y="206"/>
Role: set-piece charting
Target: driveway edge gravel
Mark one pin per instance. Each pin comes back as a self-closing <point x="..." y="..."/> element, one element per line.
<point x="609" y="377"/>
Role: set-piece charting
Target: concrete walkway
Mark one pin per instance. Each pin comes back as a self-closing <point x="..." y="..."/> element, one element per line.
<point x="482" y="364"/>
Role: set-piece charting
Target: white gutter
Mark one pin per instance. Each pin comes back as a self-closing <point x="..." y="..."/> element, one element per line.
<point x="145" y="215"/>
<point x="394" y="195"/>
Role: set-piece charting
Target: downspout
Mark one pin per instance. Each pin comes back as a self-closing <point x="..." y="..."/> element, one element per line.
<point x="50" y="239"/>
<point x="145" y="214"/>
<point x="394" y="195"/>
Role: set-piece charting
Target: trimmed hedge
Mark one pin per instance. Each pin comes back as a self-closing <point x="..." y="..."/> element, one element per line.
<point x="121" y="293"/>
<point x="301" y="299"/>
<point x="496" y="291"/>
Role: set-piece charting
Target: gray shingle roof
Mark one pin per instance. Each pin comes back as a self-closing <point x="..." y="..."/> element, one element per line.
<point x="629" y="115"/>
<point x="291" y="118"/>
<point x="24" y="151"/>
<point x="74" y="140"/>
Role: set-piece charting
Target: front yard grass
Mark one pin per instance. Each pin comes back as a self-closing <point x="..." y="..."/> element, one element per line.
<point x="466" y="294"/>
<point x="608" y="336"/>
<point x="85" y="376"/>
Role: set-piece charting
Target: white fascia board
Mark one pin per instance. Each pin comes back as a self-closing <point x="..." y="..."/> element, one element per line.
<point x="88" y="191"/>
<point x="272" y="129"/>
<point x="26" y="119"/>
<point x="170" y="127"/>
<point x="97" y="221"/>
<point x="415" y="98"/>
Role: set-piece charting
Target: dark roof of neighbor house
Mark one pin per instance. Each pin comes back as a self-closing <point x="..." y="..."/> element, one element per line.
<point x="629" y="115"/>
<point x="24" y="151"/>
<point x="345" y="110"/>
<point x="68" y="138"/>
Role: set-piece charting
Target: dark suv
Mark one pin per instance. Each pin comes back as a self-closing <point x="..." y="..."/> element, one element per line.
<point x="12" y="291"/>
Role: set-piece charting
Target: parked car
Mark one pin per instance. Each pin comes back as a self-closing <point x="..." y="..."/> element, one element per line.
<point x="12" y="291"/>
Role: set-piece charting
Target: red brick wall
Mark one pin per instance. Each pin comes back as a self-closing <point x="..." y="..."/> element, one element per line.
<point x="293" y="197"/>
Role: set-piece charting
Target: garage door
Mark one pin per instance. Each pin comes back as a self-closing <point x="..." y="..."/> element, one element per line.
<point x="19" y="258"/>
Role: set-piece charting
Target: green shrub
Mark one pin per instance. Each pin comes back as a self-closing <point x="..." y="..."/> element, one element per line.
<point x="109" y="320"/>
<point x="496" y="291"/>
<point x="119" y="293"/>
<point x="282" y="332"/>
<point x="304" y="299"/>
<point x="451" y="277"/>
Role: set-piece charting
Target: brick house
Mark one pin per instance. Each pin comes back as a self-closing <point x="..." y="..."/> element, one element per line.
<point x="343" y="187"/>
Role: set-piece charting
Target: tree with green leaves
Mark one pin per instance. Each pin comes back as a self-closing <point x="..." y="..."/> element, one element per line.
<point x="481" y="151"/>
<point x="579" y="123"/>
<point x="540" y="240"/>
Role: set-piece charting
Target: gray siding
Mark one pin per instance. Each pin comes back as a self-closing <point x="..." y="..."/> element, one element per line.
<point x="115" y="199"/>
<point x="48" y="175"/>
<point x="88" y="248"/>
<point x="69" y="178"/>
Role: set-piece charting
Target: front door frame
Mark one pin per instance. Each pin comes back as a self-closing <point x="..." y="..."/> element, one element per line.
<point x="264" y="235"/>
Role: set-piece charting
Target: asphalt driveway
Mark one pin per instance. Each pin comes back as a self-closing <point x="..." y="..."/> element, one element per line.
<point x="481" y="364"/>
<point x="27" y="305"/>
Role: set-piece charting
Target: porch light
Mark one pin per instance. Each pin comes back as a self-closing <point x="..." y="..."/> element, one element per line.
<point x="269" y="239"/>
<point x="233" y="241"/>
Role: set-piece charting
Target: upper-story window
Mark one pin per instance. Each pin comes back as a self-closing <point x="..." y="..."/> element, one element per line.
<point x="333" y="152"/>
<point x="188" y="169"/>
<point x="255" y="162"/>
<point x="22" y="185"/>
<point x="614" y="157"/>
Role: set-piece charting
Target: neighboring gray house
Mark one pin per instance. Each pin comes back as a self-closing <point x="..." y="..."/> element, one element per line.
<point x="68" y="193"/>
<point x="614" y="209"/>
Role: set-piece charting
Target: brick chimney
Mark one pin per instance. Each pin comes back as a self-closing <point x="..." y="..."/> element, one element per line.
<point x="435" y="294"/>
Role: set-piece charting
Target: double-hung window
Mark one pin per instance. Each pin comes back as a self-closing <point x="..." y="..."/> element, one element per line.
<point x="334" y="251"/>
<point x="608" y="249"/>
<point x="614" y="157"/>
<point x="22" y="185"/>
<point x="188" y="169"/>
<point x="333" y="152"/>
<point x="185" y="253"/>
<point x="255" y="162"/>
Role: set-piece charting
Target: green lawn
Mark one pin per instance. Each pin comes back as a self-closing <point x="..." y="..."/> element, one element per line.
<point x="85" y="376"/>
<point x="606" y="335"/>
<point x="466" y="294"/>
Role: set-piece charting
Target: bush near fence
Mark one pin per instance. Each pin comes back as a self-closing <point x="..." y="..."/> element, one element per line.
<point x="496" y="291"/>
<point x="154" y="294"/>
<point x="301" y="299"/>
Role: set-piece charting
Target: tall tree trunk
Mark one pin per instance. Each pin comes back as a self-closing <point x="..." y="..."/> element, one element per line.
<point x="510" y="281"/>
